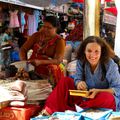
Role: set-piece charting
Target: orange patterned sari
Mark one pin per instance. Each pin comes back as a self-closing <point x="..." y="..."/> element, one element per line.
<point x="51" y="71"/>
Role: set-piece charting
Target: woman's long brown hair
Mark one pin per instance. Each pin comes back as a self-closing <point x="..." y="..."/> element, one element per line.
<point x="106" y="53"/>
<point x="106" y="50"/>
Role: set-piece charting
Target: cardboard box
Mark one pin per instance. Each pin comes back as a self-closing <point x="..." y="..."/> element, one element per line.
<point x="4" y="104"/>
<point x="41" y="118"/>
<point x="114" y="116"/>
<point x="19" y="113"/>
<point x="67" y="115"/>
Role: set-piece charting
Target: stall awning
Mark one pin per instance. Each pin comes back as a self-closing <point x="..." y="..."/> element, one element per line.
<point x="22" y="3"/>
<point x="45" y="3"/>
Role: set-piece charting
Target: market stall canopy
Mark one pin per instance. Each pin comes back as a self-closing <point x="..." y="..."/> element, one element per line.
<point x="46" y="3"/>
<point x="61" y="9"/>
<point x="68" y="8"/>
<point x="22" y="3"/>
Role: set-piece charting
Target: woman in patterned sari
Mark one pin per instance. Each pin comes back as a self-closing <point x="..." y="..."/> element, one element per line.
<point x="48" y="49"/>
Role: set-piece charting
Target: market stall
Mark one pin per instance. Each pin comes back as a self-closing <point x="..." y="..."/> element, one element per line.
<point x="38" y="91"/>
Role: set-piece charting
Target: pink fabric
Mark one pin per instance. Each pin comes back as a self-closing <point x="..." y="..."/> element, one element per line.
<point x="14" y="22"/>
<point x="18" y="85"/>
<point x="31" y="24"/>
<point x="60" y="100"/>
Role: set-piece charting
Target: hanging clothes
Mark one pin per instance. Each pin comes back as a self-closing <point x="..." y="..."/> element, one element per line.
<point x="22" y="19"/>
<point x="14" y="22"/>
<point x="25" y="32"/>
<point x="31" y="24"/>
<point x="37" y="14"/>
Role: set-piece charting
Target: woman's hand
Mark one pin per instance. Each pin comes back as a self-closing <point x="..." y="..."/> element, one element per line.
<point x="92" y="93"/>
<point x="81" y="85"/>
<point x="35" y="62"/>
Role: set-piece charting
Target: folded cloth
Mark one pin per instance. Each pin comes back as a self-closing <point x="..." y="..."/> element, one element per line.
<point x="15" y="95"/>
<point x="18" y="85"/>
<point x="25" y="91"/>
<point x="4" y="94"/>
<point x="17" y="103"/>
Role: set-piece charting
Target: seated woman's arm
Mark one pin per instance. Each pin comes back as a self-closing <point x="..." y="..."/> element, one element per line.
<point x="28" y="45"/>
<point x="57" y="58"/>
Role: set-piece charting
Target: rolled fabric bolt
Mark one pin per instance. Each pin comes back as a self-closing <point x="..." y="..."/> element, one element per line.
<point x="17" y="103"/>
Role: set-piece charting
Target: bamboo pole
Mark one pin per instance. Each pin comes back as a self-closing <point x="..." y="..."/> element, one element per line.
<point x="91" y="18"/>
<point x="97" y="17"/>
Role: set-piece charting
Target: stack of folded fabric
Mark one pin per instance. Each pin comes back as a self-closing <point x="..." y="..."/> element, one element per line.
<point x="38" y="90"/>
<point x="21" y="92"/>
<point x="18" y="92"/>
<point x="4" y="101"/>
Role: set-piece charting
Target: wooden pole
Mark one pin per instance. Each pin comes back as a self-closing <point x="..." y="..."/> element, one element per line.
<point x="97" y="17"/>
<point x="91" y="18"/>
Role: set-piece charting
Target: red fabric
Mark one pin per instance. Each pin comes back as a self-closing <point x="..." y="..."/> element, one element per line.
<point x="108" y="0"/>
<point x="102" y="100"/>
<point x="112" y="10"/>
<point x="46" y="70"/>
<point x="80" y="1"/>
<point x="39" y="53"/>
<point x="76" y="34"/>
<point x="60" y="100"/>
<point x="56" y="73"/>
<point x="41" y="69"/>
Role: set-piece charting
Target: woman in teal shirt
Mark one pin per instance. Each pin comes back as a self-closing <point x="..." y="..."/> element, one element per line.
<point x="5" y="45"/>
<point x="95" y="72"/>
